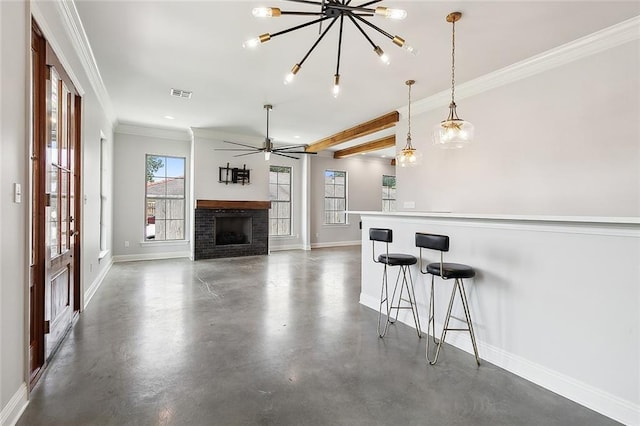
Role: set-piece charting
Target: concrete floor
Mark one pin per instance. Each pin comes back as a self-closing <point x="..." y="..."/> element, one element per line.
<point x="273" y="340"/>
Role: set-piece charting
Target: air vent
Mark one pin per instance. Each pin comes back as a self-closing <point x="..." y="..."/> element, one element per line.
<point x="178" y="93"/>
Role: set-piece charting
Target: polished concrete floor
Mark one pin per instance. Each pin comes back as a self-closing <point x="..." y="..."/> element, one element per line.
<point x="267" y="340"/>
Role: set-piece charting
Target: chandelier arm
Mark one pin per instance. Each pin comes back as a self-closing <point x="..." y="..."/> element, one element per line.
<point x="345" y="8"/>
<point x="297" y="27"/>
<point x="317" y="41"/>
<point x="317" y="3"/>
<point x="362" y="31"/>
<point x="378" y="29"/>
<point x="339" y="45"/>
<point x="369" y="3"/>
<point x="293" y="12"/>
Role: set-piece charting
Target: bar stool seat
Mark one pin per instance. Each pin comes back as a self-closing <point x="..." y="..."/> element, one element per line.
<point x="395" y="259"/>
<point x="404" y="280"/>
<point x="451" y="270"/>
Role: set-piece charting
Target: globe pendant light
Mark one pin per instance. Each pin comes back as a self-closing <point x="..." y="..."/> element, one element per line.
<point x="408" y="156"/>
<point x="453" y="132"/>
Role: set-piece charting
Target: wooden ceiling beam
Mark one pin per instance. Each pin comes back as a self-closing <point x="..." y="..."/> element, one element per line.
<point x="376" y="145"/>
<point x="372" y="126"/>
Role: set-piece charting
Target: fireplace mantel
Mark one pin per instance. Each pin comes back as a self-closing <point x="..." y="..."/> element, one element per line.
<point x="230" y="204"/>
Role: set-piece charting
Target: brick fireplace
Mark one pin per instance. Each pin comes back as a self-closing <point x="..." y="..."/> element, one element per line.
<point x="231" y="228"/>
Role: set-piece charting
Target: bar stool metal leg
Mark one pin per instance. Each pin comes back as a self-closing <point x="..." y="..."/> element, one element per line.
<point x="457" y="285"/>
<point x="384" y="298"/>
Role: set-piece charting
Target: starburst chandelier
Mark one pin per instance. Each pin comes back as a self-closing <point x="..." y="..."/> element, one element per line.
<point x="333" y="11"/>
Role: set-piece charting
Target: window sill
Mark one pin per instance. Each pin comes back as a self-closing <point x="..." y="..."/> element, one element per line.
<point x="284" y="237"/>
<point x="336" y="225"/>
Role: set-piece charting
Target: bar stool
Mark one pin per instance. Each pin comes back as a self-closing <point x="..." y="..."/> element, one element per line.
<point x="394" y="259"/>
<point x="445" y="271"/>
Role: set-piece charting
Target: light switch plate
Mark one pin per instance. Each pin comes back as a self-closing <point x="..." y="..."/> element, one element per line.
<point x="17" y="193"/>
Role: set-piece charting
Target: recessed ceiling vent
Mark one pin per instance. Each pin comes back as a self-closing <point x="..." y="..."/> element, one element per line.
<point x="178" y="93"/>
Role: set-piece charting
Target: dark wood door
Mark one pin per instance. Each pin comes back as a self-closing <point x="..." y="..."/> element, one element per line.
<point x="54" y="277"/>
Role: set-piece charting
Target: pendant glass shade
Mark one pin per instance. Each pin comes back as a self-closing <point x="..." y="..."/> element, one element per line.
<point x="408" y="157"/>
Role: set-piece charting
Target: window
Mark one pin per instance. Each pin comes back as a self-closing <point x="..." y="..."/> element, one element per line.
<point x="164" y="198"/>
<point x="335" y="197"/>
<point x="388" y="193"/>
<point x="280" y="195"/>
<point x="103" y="195"/>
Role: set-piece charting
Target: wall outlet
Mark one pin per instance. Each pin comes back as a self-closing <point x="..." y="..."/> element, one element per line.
<point x="91" y="267"/>
<point x="409" y="205"/>
<point x="126" y="243"/>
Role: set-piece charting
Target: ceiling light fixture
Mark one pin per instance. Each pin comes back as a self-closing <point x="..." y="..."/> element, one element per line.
<point x="334" y="10"/>
<point x="268" y="147"/>
<point x="453" y="132"/>
<point x="408" y="156"/>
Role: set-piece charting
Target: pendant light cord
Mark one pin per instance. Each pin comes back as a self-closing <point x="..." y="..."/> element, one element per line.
<point x="409" y="114"/>
<point x="453" y="61"/>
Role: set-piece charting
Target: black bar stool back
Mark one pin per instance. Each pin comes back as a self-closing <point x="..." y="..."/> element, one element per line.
<point x="404" y="261"/>
<point x="445" y="271"/>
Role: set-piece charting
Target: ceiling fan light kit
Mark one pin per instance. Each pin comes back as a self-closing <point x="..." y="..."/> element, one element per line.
<point x="333" y="10"/>
<point x="453" y="132"/>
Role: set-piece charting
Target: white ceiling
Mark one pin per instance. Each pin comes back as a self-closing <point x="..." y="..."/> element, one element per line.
<point x="145" y="48"/>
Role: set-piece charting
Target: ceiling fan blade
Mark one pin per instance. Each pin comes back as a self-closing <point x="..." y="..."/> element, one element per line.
<point x="236" y="149"/>
<point x="241" y="144"/>
<point x="248" y="153"/>
<point x="284" y="155"/>
<point x="294" y="152"/>
<point x="282" y="148"/>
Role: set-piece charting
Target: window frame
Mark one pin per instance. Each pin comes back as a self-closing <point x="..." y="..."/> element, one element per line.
<point x="277" y="201"/>
<point x="388" y="201"/>
<point x="329" y="212"/>
<point x="166" y="198"/>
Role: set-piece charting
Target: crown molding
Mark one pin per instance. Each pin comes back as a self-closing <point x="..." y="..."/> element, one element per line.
<point x="608" y="38"/>
<point x="153" y="132"/>
<point x="80" y="42"/>
<point x="49" y="34"/>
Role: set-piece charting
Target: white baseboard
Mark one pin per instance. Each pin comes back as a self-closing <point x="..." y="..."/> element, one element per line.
<point x="286" y="247"/>
<point x="150" y="256"/>
<point x="589" y="396"/>
<point x="336" y="244"/>
<point x="95" y="285"/>
<point x="15" y="407"/>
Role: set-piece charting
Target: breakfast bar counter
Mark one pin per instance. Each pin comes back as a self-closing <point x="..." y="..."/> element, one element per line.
<point x="555" y="299"/>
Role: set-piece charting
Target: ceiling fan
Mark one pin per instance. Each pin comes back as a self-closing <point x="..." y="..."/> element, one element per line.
<point x="268" y="147"/>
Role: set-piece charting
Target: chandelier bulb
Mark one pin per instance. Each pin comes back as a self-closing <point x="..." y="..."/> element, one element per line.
<point x="400" y="42"/>
<point x="336" y="85"/>
<point x="256" y="41"/>
<point x="388" y="13"/>
<point x="383" y="56"/>
<point x="289" y="77"/>
<point x="266" y="12"/>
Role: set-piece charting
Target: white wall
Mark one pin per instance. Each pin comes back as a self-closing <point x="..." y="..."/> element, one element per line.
<point x="562" y="142"/>
<point x="364" y="192"/>
<point x="14" y="263"/>
<point x="207" y="162"/>
<point x="132" y="144"/>
<point x="15" y="56"/>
